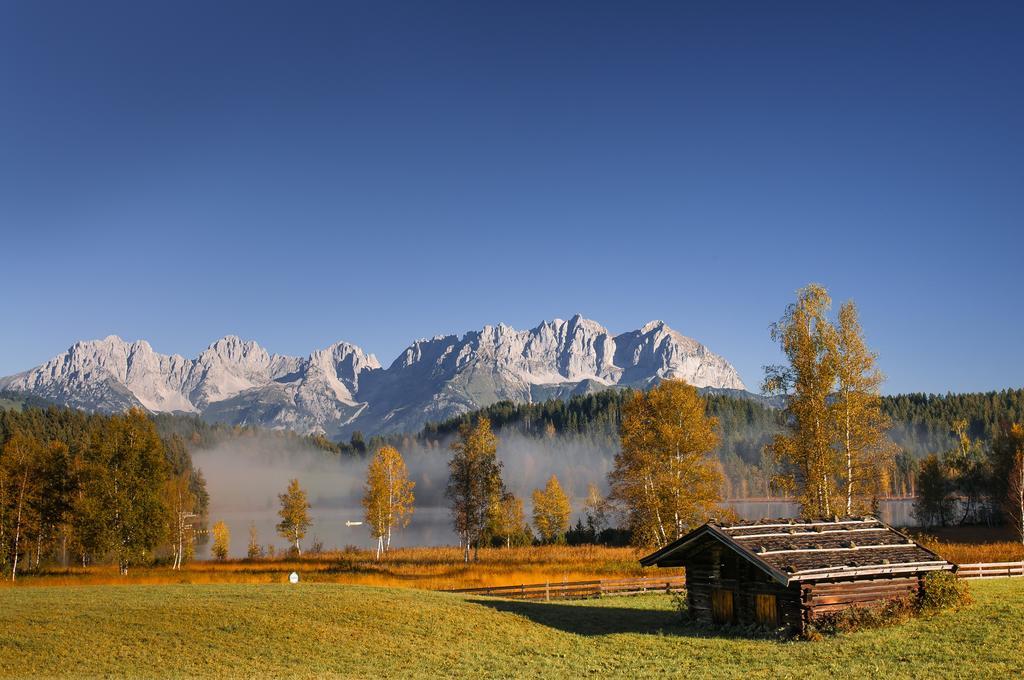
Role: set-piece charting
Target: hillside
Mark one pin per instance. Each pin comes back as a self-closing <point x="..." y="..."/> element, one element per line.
<point x="347" y="631"/>
<point x="921" y="424"/>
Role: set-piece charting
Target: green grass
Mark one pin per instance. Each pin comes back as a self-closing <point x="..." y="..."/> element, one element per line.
<point x="353" y="631"/>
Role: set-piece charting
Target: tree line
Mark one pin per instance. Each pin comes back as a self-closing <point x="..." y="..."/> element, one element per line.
<point x="85" y="488"/>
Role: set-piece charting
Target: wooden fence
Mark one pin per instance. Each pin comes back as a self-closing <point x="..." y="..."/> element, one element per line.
<point x="991" y="570"/>
<point x="575" y="590"/>
<point x="569" y="590"/>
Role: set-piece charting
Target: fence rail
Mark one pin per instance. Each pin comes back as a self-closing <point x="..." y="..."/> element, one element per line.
<point x="991" y="570"/>
<point x="564" y="590"/>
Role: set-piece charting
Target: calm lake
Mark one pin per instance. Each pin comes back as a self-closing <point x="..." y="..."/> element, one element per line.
<point x="431" y="526"/>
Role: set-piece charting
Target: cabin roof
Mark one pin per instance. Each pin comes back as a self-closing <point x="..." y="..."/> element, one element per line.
<point x="794" y="550"/>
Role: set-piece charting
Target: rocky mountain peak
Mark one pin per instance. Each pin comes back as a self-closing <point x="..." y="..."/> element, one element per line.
<point x="341" y="387"/>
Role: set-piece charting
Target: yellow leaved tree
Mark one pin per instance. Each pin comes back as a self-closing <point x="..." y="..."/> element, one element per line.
<point x="665" y="477"/>
<point x="551" y="511"/>
<point x="388" y="497"/>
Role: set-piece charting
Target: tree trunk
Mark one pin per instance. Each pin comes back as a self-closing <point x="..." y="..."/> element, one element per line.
<point x="849" y="463"/>
<point x="17" y="526"/>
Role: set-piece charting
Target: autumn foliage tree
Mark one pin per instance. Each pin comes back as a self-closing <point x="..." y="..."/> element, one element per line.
<point x="1013" y="503"/>
<point x="664" y="476"/>
<point x="834" y="450"/>
<point x="474" y="481"/>
<point x="221" y="541"/>
<point x="19" y="487"/>
<point x="388" y="497"/>
<point x="294" y="514"/>
<point x="551" y="511"/>
<point x="126" y="485"/>
<point x="183" y="506"/>
<point x="506" y="521"/>
<point x="858" y="421"/>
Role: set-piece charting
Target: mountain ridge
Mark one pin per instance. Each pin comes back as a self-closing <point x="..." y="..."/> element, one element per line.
<point x="341" y="387"/>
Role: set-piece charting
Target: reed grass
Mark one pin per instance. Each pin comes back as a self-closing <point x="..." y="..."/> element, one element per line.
<point x="436" y="568"/>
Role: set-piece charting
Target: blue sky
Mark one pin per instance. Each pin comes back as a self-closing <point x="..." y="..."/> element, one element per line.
<point x="300" y="173"/>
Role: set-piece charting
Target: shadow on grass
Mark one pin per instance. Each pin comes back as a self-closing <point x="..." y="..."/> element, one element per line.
<point x="593" y="621"/>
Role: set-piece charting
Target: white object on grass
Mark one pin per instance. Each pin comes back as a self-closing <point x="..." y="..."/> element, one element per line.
<point x="294" y="578"/>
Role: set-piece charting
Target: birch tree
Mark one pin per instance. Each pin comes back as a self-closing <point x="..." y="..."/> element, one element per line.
<point x="1014" y="502"/>
<point x="859" y="424"/>
<point x="506" y="520"/>
<point x="255" y="550"/>
<point x="294" y="514"/>
<point x="388" y="497"/>
<point x="805" y="452"/>
<point x="20" y="455"/>
<point x="181" y="503"/>
<point x="126" y="483"/>
<point x="664" y="476"/>
<point x="474" y="481"/>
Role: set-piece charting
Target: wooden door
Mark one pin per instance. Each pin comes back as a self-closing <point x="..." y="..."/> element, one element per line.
<point x="721" y="606"/>
<point x="766" y="610"/>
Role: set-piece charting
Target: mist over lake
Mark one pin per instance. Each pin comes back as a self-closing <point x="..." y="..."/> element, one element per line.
<point x="245" y="476"/>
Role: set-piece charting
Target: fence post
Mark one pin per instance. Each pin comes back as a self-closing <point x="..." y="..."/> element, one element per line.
<point x="547" y="592"/>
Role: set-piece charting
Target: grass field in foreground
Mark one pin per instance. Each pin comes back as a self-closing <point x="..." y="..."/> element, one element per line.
<point x="355" y="631"/>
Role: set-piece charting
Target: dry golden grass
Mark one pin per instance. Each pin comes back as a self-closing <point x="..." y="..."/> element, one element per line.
<point x="973" y="553"/>
<point x="438" y="568"/>
<point x="430" y="568"/>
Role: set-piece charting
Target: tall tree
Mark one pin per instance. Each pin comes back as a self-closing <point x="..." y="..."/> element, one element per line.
<point x="182" y="504"/>
<point x="20" y="471"/>
<point x="294" y="514"/>
<point x="664" y="474"/>
<point x="1014" y="500"/>
<point x="474" y="481"/>
<point x="551" y="511"/>
<point x="810" y="463"/>
<point x="860" y="425"/>
<point x="125" y="487"/>
<point x="388" y="497"/>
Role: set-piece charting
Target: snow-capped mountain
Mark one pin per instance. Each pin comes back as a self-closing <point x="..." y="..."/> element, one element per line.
<point x="342" y="388"/>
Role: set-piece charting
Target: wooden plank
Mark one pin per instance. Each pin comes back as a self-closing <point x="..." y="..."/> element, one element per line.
<point x="766" y="609"/>
<point x="976" y="565"/>
<point x="722" y="610"/>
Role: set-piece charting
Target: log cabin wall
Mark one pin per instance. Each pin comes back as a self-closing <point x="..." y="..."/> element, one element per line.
<point x="829" y="597"/>
<point x="723" y="587"/>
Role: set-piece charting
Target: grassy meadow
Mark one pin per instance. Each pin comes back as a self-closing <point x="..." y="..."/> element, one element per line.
<point x="316" y="629"/>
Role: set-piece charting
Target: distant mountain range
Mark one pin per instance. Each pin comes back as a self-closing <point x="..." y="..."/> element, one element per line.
<point x="342" y="388"/>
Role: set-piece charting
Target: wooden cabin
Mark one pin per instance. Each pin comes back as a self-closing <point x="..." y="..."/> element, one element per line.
<point x="784" y="573"/>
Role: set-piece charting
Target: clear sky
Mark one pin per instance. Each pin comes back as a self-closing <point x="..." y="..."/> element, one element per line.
<point x="300" y="173"/>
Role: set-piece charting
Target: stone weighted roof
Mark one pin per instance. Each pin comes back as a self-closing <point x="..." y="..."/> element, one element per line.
<point x="807" y="550"/>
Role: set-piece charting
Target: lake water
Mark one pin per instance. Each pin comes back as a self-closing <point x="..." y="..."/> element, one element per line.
<point x="432" y="526"/>
<point x="245" y="476"/>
